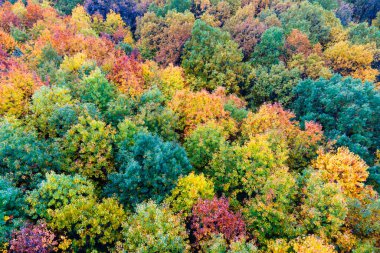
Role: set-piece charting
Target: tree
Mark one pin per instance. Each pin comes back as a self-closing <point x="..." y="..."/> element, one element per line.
<point x="310" y="19"/>
<point x="246" y="29"/>
<point x="203" y="142"/>
<point x="354" y="60"/>
<point x="96" y="89"/>
<point x="87" y="149"/>
<point x="23" y="157"/>
<point x="270" y="214"/>
<point x="274" y="84"/>
<point x="311" y="244"/>
<point x="66" y="6"/>
<point x="45" y="102"/>
<point x="154" y="32"/>
<point x="270" y="48"/>
<point x="127" y="9"/>
<point x="147" y="170"/>
<point x="154" y="228"/>
<point x="211" y="58"/>
<point x="57" y="191"/>
<point x="324" y="207"/>
<point x="214" y="217"/>
<point x="12" y="209"/>
<point x="188" y="191"/>
<point x="344" y="168"/>
<point x="90" y="224"/>
<point x="195" y="108"/>
<point x="33" y="238"/>
<point x="346" y="108"/>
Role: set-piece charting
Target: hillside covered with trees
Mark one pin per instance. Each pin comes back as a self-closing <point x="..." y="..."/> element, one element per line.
<point x="214" y="126"/>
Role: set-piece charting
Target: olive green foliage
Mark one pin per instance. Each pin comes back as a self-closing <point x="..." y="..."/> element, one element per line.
<point x="274" y="84"/>
<point x="45" y="102"/>
<point x="57" y="191"/>
<point x="87" y="149"/>
<point x="90" y="224"/>
<point x="147" y="170"/>
<point x="188" y="191"/>
<point x="203" y="142"/>
<point x="12" y="209"/>
<point x="156" y="116"/>
<point x="154" y="228"/>
<point x="211" y="58"/>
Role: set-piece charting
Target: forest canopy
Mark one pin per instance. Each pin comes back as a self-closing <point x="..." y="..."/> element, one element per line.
<point x="214" y="126"/>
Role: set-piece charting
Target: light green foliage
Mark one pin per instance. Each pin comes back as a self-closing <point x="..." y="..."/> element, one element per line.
<point x="44" y="102"/>
<point x="323" y="209"/>
<point x="154" y="228"/>
<point x="90" y="224"/>
<point x="218" y="244"/>
<point x="57" y="191"/>
<point x="96" y="89"/>
<point x="87" y="149"/>
<point x="274" y="84"/>
<point x="211" y="58"/>
<point x="270" y="214"/>
<point x="154" y="115"/>
<point x="188" y="191"/>
<point x="12" y="209"/>
<point x="270" y="48"/>
<point x="203" y="142"/>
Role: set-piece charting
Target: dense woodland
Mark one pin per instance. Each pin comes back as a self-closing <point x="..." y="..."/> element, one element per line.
<point x="208" y="126"/>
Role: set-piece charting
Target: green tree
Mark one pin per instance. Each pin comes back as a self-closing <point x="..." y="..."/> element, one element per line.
<point x="154" y="228"/>
<point x="270" y="48"/>
<point x="147" y="170"/>
<point x="23" y="157"/>
<point x="203" y="142"/>
<point x="346" y="108"/>
<point x="57" y="191"/>
<point x="274" y="84"/>
<point x="12" y="209"/>
<point x="211" y="58"/>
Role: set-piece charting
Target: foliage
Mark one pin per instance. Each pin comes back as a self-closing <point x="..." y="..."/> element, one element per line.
<point x="33" y="238"/>
<point x="270" y="48"/>
<point x="147" y="170"/>
<point x="154" y="228"/>
<point x="203" y="142"/>
<point x="346" y="108"/>
<point x="188" y="191"/>
<point x="344" y="168"/>
<point x="275" y="84"/>
<point x="57" y="191"/>
<point x="12" y="209"/>
<point x="90" y="224"/>
<point x="23" y="157"/>
<point x="87" y="149"/>
<point x="270" y="214"/>
<point x="214" y="216"/>
<point x="127" y="9"/>
<point x="312" y="244"/>
<point x="211" y="58"/>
